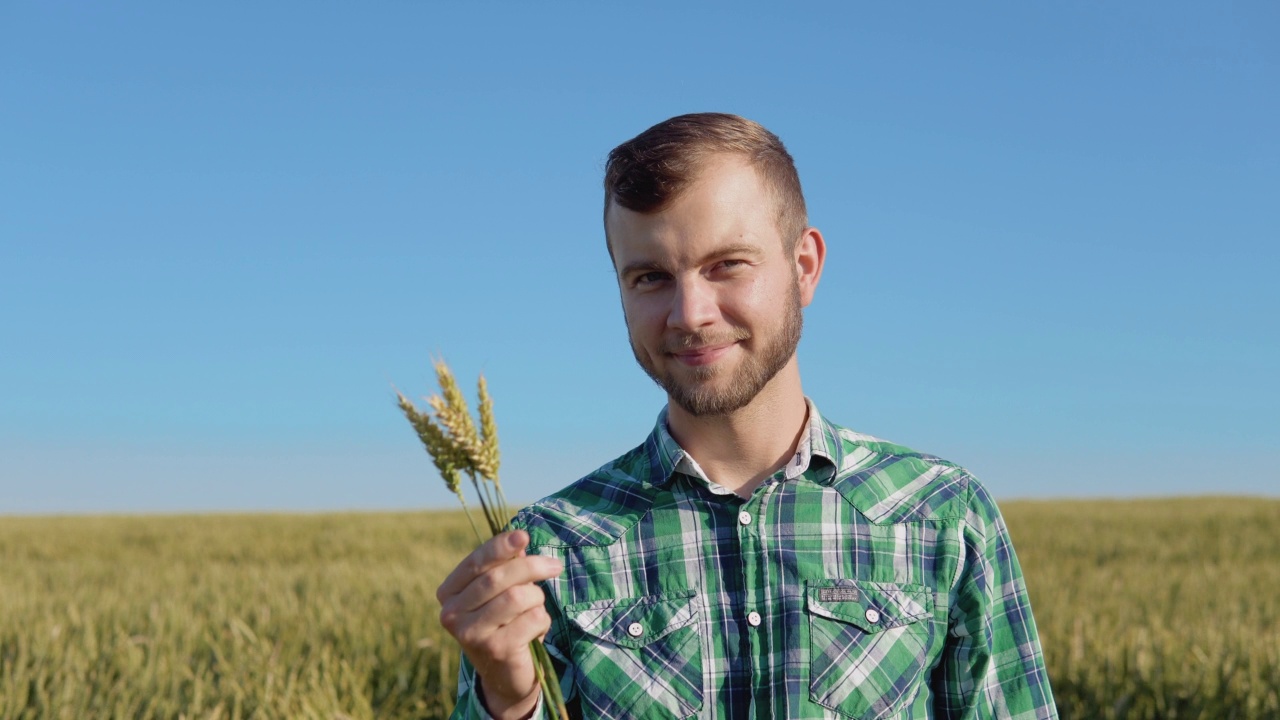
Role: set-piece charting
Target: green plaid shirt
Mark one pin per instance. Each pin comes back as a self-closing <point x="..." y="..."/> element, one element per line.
<point x="863" y="580"/>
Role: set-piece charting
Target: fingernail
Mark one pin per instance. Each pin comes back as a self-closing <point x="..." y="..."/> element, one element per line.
<point x="516" y="539"/>
<point x="551" y="564"/>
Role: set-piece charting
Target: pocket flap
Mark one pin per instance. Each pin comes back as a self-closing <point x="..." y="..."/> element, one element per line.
<point x="634" y="622"/>
<point x="871" y="606"/>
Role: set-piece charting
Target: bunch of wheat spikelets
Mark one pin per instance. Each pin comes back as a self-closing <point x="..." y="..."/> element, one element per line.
<point x="456" y="446"/>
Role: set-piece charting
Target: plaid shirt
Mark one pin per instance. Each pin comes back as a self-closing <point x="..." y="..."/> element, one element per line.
<point x="863" y="580"/>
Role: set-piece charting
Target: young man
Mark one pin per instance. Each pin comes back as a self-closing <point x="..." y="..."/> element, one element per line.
<point x="750" y="559"/>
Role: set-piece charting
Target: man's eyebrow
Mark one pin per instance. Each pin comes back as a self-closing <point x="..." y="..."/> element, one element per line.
<point x="740" y="249"/>
<point x="640" y="266"/>
<point x="644" y="266"/>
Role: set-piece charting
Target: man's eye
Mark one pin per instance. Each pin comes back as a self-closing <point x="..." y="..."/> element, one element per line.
<point x="650" y="278"/>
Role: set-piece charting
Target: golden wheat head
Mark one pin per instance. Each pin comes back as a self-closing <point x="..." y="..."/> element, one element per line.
<point x="488" y="428"/>
<point x="433" y="438"/>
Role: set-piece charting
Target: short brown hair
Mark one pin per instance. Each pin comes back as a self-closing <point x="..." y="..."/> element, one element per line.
<point x="648" y="171"/>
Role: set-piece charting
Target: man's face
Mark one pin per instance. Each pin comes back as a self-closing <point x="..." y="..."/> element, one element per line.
<point x="709" y="291"/>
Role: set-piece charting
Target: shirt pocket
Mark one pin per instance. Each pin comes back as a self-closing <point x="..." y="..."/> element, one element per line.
<point x="638" y="657"/>
<point x="869" y="645"/>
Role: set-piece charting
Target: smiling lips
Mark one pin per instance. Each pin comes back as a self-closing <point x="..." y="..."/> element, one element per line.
<point x="696" y="351"/>
<point x="704" y="355"/>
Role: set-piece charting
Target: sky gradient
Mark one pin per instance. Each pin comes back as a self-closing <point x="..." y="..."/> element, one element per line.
<point x="227" y="231"/>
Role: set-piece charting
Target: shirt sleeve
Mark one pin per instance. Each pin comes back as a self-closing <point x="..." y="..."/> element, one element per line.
<point x="992" y="665"/>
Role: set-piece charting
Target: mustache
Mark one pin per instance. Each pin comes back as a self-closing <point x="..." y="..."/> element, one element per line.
<point x="689" y="341"/>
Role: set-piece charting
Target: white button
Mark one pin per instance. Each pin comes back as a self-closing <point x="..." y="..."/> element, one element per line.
<point x="744" y="518"/>
<point x="635" y="629"/>
<point x="753" y="617"/>
<point x="873" y="616"/>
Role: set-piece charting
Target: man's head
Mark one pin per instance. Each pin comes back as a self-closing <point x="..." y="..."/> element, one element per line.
<point x="648" y="171"/>
<point x="713" y="267"/>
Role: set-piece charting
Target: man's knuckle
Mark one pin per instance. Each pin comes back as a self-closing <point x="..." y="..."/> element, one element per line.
<point x="487" y="584"/>
<point x="542" y="619"/>
<point x="449" y="621"/>
<point x="515" y="597"/>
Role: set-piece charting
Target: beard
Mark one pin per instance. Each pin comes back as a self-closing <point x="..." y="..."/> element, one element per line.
<point x="696" y="394"/>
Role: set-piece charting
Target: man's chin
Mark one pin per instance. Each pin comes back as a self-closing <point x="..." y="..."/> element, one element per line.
<point x="707" y="406"/>
<point x="702" y="398"/>
<point x="701" y="381"/>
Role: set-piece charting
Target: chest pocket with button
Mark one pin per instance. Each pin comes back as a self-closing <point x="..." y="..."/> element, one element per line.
<point x="638" y="657"/>
<point x="869" y="645"/>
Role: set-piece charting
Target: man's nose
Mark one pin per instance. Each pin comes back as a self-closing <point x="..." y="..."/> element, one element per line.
<point x="693" y="305"/>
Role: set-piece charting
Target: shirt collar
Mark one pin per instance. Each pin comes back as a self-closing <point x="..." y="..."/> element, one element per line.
<point x="819" y="441"/>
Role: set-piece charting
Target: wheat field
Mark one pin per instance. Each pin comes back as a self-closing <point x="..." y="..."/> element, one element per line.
<point x="1147" y="609"/>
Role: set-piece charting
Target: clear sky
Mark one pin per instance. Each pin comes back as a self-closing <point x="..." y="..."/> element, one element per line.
<point x="227" y="229"/>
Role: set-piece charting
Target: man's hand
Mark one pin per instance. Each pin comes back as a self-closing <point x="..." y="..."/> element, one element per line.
<point x="490" y="604"/>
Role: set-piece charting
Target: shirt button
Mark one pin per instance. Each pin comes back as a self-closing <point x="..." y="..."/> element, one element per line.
<point x="873" y="616"/>
<point x="744" y="518"/>
<point x="635" y="629"/>
<point x="753" y="618"/>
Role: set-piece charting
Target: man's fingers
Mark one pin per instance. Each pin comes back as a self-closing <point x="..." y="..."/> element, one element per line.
<point x="497" y="628"/>
<point x="497" y="549"/>
<point x="500" y="579"/>
<point x="488" y="623"/>
<point x="512" y="603"/>
<point x="502" y="659"/>
<point x="527" y="626"/>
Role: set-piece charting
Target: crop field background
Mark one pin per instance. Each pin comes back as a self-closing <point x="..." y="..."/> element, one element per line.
<point x="1147" y="609"/>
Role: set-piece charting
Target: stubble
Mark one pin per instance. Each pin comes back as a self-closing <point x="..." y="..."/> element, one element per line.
<point x="697" y="395"/>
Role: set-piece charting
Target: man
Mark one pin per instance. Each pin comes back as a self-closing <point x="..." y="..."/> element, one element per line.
<point x="750" y="558"/>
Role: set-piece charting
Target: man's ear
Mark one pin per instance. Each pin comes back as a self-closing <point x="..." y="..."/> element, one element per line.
<point x="810" y="255"/>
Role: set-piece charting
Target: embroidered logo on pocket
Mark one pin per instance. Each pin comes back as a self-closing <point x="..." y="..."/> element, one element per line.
<point x="837" y="594"/>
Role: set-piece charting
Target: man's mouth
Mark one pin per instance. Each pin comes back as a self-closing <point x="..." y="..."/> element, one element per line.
<point x="696" y="350"/>
<point x="704" y="355"/>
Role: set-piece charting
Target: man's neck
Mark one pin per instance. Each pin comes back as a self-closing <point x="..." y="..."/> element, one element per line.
<point x="740" y="450"/>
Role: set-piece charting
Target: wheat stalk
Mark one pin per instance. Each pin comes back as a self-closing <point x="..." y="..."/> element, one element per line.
<point x="456" y="446"/>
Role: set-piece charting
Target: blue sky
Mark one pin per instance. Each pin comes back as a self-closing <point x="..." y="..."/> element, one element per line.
<point x="226" y="230"/>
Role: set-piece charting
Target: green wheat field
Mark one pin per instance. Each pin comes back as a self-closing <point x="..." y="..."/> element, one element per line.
<point x="1146" y="609"/>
